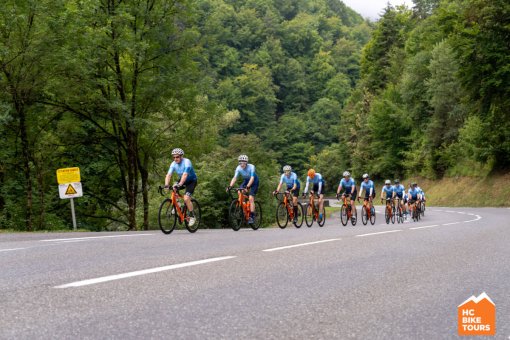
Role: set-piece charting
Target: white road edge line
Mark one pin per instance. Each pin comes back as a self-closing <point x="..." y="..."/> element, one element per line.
<point x="427" y="226"/>
<point x="302" y="244"/>
<point x="451" y="223"/>
<point x="91" y="237"/>
<point x="11" y="249"/>
<point x="142" y="272"/>
<point x="379" y="233"/>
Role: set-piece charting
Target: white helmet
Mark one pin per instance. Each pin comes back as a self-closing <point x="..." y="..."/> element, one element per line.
<point x="346" y="173"/>
<point x="177" y="151"/>
<point x="387" y="181"/>
<point x="365" y="176"/>
<point x="242" y="158"/>
<point x="287" y="168"/>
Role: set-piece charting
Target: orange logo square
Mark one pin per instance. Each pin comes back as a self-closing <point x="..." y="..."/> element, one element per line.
<point x="477" y="316"/>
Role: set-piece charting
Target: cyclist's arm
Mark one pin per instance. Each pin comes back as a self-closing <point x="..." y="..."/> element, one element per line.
<point x="339" y="188"/>
<point x="233" y="181"/>
<point x="306" y="187"/>
<point x="183" y="179"/>
<point x="168" y="176"/>
<point x="250" y="182"/>
<point x="320" y="187"/>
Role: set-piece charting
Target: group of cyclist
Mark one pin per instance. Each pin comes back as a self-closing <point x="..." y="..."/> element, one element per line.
<point x="187" y="179"/>
<point x="347" y="187"/>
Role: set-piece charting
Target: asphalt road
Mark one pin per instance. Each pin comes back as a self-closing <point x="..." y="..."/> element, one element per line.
<point x="397" y="281"/>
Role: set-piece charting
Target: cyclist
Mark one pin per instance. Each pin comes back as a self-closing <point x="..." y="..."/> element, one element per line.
<point x="421" y="192"/>
<point x="413" y="194"/>
<point x="349" y="186"/>
<point x="187" y="179"/>
<point x="387" y="191"/>
<point x="369" y="188"/>
<point x="399" y="190"/>
<point x="293" y="186"/>
<point x="318" y="184"/>
<point x="250" y="182"/>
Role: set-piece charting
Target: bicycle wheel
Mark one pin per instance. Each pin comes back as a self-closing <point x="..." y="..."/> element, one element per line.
<point x="323" y="221"/>
<point x="167" y="217"/>
<point x="257" y="220"/>
<point x="372" y="216"/>
<point x="194" y="214"/>
<point x="387" y="214"/>
<point x="282" y="215"/>
<point x="300" y="216"/>
<point x="309" y="215"/>
<point x="235" y="215"/>
<point x="393" y="214"/>
<point x="364" y="215"/>
<point x="354" y="216"/>
<point x="398" y="212"/>
<point x="343" y="215"/>
<point x="422" y="209"/>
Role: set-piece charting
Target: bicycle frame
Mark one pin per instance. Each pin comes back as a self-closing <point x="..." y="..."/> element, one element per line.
<point x="244" y="202"/>
<point x="290" y="208"/>
<point x="315" y="212"/>
<point x="347" y="203"/>
<point x="175" y="196"/>
<point x="367" y="206"/>
<point x="389" y="206"/>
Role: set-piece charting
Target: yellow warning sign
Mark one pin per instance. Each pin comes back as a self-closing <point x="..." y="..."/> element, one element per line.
<point x="70" y="190"/>
<point x="68" y="175"/>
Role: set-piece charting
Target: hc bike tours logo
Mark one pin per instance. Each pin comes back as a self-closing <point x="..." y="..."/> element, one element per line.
<point x="477" y="316"/>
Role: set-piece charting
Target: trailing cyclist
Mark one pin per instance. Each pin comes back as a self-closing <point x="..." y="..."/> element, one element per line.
<point x="187" y="179"/>
<point x="413" y="195"/>
<point x="348" y="185"/>
<point x="318" y="185"/>
<point x="250" y="182"/>
<point x="368" y="186"/>
<point x="293" y="186"/>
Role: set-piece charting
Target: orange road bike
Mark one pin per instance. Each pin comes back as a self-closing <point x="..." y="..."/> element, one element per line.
<point x="389" y="211"/>
<point x="312" y="212"/>
<point x="285" y="210"/>
<point x="414" y="210"/>
<point x="173" y="210"/>
<point x="239" y="211"/>
<point x="347" y="213"/>
<point x="367" y="212"/>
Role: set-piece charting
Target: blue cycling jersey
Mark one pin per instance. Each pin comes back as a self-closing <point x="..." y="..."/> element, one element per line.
<point x="290" y="180"/>
<point x="414" y="193"/>
<point x="367" y="186"/>
<point x="316" y="180"/>
<point x="247" y="172"/>
<point x="184" y="166"/>
<point x="347" y="185"/>
<point x="388" y="190"/>
<point x="399" y="190"/>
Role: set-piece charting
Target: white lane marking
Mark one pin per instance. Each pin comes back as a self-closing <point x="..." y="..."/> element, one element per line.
<point x="379" y="233"/>
<point x="451" y="223"/>
<point x="427" y="226"/>
<point x="141" y="272"/>
<point x="91" y="237"/>
<point x="11" y="249"/>
<point x="302" y="244"/>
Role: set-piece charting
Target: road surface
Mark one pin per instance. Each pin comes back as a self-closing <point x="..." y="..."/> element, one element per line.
<point x="397" y="281"/>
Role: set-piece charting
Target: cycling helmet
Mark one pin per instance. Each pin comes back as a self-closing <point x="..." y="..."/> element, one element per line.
<point x="397" y="181"/>
<point x="311" y="173"/>
<point x="242" y="158"/>
<point x="287" y="168"/>
<point x="347" y="173"/>
<point x="177" y="151"/>
<point x="387" y="182"/>
<point x="365" y="176"/>
<point x="414" y="184"/>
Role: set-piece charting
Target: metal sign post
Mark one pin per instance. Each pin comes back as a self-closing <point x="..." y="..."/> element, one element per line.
<point x="74" y="216"/>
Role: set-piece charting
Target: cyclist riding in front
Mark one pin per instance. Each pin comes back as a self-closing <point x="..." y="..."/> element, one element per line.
<point x="250" y="182"/>
<point x="293" y="185"/>
<point x="187" y="179"/>
<point x="369" y="188"/>
<point x="421" y="192"/>
<point x="399" y="190"/>
<point x="349" y="186"/>
<point x="318" y="184"/>
<point x="387" y="191"/>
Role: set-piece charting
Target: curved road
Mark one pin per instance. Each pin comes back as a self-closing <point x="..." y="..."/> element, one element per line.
<point x="397" y="281"/>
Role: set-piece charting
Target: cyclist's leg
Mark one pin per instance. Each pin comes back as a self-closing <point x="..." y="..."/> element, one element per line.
<point x="188" y="192"/>
<point x="253" y="191"/>
<point x="295" y="195"/>
<point x="353" y="199"/>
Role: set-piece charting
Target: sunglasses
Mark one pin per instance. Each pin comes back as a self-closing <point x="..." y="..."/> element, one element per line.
<point x="177" y="157"/>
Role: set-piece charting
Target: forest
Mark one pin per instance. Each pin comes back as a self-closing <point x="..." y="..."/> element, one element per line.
<point x="112" y="86"/>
